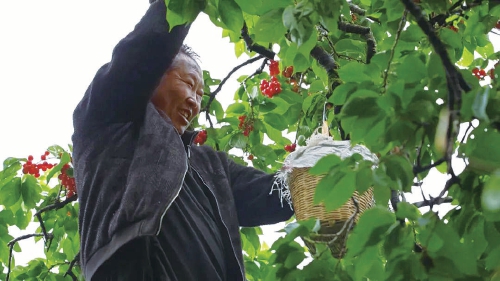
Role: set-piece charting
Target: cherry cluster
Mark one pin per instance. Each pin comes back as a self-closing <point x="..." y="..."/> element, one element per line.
<point x="290" y="147"/>
<point x="270" y="88"/>
<point x="67" y="181"/>
<point x="34" y="168"/>
<point x="274" y="68"/>
<point x="481" y="73"/>
<point x="245" y="125"/>
<point x="201" y="137"/>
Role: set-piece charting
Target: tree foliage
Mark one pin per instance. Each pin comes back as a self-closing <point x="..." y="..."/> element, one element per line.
<point x="413" y="81"/>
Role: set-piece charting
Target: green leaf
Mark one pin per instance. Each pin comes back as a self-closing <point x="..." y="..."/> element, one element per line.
<point x="11" y="161"/>
<point x="270" y="27"/>
<point x="340" y="94"/>
<point x="276" y="121"/>
<point x="230" y="14"/>
<point x="481" y="156"/>
<point x="353" y="72"/>
<point x="412" y="69"/>
<point x="238" y="140"/>
<point x="493" y="259"/>
<point x="364" y="179"/>
<point x="363" y="105"/>
<point x="23" y="218"/>
<point x="480" y="103"/>
<point x="65" y="158"/>
<point x="293" y="259"/>
<point x="183" y="11"/>
<point x="31" y="190"/>
<point x="407" y="210"/>
<point x="339" y="188"/>
<point x="251" y="241"/>
<point x="365" y="261"/>
<point x="490" y="198"/>
<point x="320" y="72"/>
<point x="236" y="108"/>
<point x="325" y="164"/>
<point x="370" y="230"/>
<point x="260" y="7"/>
<point x="400" y="171"/>
<point x="10" y="193"/>
<point x="217" y="110"/>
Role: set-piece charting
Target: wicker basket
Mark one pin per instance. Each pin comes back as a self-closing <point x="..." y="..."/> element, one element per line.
<point x="302" y="188"/>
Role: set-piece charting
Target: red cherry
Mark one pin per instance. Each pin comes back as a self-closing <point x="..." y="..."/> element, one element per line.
<point x="287" y="72"/>
<point x="30" y="158"/>
<point x="47" y="153"/>
<point x="274" y="68"/>
<point x="250" y="157"/>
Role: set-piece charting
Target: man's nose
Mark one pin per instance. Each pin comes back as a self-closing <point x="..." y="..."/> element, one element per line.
<point x="192" y="103"/>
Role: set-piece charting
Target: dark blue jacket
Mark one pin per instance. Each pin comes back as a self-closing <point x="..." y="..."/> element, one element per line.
<point x="130" y="162"/>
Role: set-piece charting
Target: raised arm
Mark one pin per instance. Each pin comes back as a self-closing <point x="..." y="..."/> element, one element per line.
<point x="254" y="203"/>
<point x="122" y="88"/>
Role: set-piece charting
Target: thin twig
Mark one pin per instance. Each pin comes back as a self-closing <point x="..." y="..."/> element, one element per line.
<point x="11" y="247"/>
<point x="214" y="93"/>
<point x="57" y="205"/>
<point x="69" y="272"/>
<point x="257" y="71"/>
<point x="433" y="201"/>
<point x="466" y="132"/>
<point x="420" y="169"/>
<point x="402" y="23"/>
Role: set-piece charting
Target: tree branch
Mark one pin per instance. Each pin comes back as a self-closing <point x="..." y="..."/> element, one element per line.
<point x="214" y="93"/>
<point x="57" y="205"/>
<point x="436" y="43"/>
<point x="402" y="23"/>
<point x="253" y="47"/>
<point x="11" y="247"/>
<point x="419" y="169"/>
<point x="365" y="32"/>
<point x="433" y="201"/>
<point x="69" y="272"/>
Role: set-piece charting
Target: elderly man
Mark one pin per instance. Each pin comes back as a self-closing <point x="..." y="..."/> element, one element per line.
<point x="152" y="206"/>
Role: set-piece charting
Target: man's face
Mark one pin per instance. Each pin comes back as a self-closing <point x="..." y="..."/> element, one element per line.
<point x="180" y="91"/>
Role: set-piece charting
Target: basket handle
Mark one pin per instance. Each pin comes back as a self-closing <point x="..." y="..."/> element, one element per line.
<point x="324" y="128"/>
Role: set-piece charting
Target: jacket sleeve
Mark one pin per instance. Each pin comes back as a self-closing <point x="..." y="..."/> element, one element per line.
<point x="122" y="88"/>
<point x="255" y="203"/>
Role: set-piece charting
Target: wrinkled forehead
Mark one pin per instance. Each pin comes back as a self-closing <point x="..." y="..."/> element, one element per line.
<point x="187" y="65"/>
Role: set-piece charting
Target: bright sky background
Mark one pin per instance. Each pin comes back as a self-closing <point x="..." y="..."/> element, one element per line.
<point x="49" y="53"/>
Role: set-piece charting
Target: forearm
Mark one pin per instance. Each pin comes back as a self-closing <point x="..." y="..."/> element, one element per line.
<point x="255" y="203"/>
<point x="122" y="88"/>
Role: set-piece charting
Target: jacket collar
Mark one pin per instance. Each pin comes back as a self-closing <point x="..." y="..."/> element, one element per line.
<point x="188" y="137"/>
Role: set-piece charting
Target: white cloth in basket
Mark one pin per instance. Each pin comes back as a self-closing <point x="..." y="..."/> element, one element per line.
<point x="307" y="156"/>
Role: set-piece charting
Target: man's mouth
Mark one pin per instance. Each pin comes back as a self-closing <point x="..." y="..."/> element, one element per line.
<point x="185" y="113"/>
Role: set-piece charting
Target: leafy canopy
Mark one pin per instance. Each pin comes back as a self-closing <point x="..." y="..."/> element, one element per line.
<point x="413" y="81"/>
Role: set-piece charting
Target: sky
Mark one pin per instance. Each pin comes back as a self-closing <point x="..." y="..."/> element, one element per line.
<point x="49" y="53"/>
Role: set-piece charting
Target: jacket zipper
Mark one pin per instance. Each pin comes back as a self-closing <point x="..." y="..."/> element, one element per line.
<point x="179" y="190"/>
<point x="220" y="217"/>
